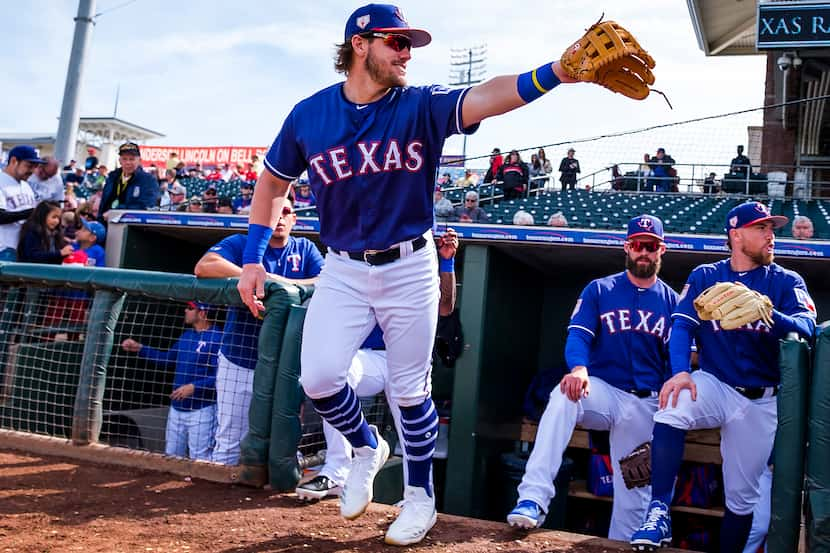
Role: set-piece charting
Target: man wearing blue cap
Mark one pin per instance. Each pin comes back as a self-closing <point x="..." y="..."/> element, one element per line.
<point x="736" y="387"/>
<point x="617" y="352"/>
<point x="17" y="199"/>
<point x="191" y="421"/>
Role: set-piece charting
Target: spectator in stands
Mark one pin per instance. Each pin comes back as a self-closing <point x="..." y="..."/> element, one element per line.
<point x="256" y="166"/>
<point x="445" y="180"/>
<point x="304" y="196"/>
<point x="225" y="206"/>
<point x="662" y="173"/>
<point x="617" y="179"/>
<point x="194" y="205"/>
<point x="75" y="178"/>
<point x="496" y="161"/>
<point x="41" y="238"/>
<point x="513" y="175"/>
<point x="226" y="172"/>
<point x="90" y="239"/>
<point x="237" y="173"/>
<point x="214" y="175"/>
<point x="181" y="170"/>
<point x="172" y="161"/>
<point x="70" y="200"/>
<point x="128" y="187"/>
<point x="164" y="189"/>
<point x="45" y="181"/>
<point x="250" y="175"/>
<point x="537" y="173"/>
<point x="740" y="165"/>
<point x="242" y="204"/>
<point x="91" y="162"/>
<point x="178" y="196"/>
<point x="709" y="184"/>
<point x="470" y="212"/>
<point x="210" y="200"/>
<point x="191" y="421"/>
<point x="70" y="222"/>
<point x="17" y="200"/>
<point x="569" y="167"/>
<point x="558" y="219"/>
<point x="286" y="258"/>
<point x="469" y="179"/>
<point x="543" y="158"/>
<point x="100" y="177"/>
<point x="441" y="206"/>
<point x="802" y="228"/>
<point x="523" y="218"/>
<point x="69" y="168"/>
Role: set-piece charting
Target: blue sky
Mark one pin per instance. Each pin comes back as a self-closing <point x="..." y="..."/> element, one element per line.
<point x="220" y="73"/>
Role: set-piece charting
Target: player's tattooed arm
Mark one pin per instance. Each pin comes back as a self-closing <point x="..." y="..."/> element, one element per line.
<point x="497" y="96"/>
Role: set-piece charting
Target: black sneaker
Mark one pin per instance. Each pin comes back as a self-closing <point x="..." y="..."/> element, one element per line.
<point x="318" y="487"/>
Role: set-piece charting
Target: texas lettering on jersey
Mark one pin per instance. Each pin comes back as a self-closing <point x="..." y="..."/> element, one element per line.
<point x="336" y="165"/>
<point x="622" y="320"/>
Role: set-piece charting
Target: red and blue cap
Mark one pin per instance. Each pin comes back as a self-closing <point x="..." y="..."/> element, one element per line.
<point x="199" y="305"/>
<point x="25" y="153"/>
<point x="645" y="225"/>
<point x="751" y="213"/>
<point x="384" y="18"/>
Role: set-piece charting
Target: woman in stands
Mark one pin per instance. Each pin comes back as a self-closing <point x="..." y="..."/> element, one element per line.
<point x="514" y="175"/>
<point x="41" y="238"/>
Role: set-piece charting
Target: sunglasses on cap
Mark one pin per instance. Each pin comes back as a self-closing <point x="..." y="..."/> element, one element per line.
<point x="647" y="245"/>
<point x="395" y="42"/>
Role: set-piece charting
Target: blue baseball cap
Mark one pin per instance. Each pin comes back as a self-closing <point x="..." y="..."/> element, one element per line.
<point x="750" y="213"/>
<point x="645" y="225"/>
<point x="25" y="153"/>
<point x="384" y="18"/>
<point x="97" y="229"/>
<point x="199" y="305"/>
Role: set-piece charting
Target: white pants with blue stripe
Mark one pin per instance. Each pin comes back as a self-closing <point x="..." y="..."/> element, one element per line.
<point x="190" y="433"/>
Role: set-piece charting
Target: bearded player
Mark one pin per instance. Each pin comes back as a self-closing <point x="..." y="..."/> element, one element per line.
<point x="371" y="146"/>
<point x="617" y="350"/>
<point x="736" y="386"/>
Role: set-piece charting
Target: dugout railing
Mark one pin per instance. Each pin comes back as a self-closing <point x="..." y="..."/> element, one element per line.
<point x="69" y="386"/>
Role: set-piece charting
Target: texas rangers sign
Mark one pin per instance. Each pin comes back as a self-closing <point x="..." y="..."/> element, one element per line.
<point x="792" y="25"/>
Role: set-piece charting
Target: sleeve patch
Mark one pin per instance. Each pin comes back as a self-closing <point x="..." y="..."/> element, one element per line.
<point x="804" y="300"/>
<point x="576" y="308"/>
<point x="683" y="293"/>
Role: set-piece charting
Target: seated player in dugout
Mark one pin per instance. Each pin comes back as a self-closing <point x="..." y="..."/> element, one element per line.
<point x="617" y="353"/>
<point x="368" y="376"/>
<point x="736" y="387"/>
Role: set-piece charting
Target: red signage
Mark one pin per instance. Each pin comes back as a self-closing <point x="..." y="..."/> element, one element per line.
<point x="206" y="155"/>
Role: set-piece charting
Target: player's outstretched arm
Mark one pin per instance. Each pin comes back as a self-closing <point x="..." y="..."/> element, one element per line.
<point x="508" y="92"/>
<point x="269" y="191"/>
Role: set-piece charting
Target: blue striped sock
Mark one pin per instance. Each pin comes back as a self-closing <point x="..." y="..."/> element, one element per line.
<point x="419" y="426"/>
<point x="343" y="412"/>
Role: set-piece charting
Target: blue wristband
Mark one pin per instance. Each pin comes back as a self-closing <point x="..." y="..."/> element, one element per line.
<point x="446" y="265"/>
<point x="258" y="237"/>
<point x="534" y="84"/>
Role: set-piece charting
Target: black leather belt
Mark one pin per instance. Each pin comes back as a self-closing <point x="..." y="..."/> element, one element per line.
<point x="642" y="393"/>
<point x="382" y="257"/>
<point x="757" y="393"/>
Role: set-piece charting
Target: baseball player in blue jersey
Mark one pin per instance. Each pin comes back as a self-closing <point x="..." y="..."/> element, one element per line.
<point x="617" y="350"/>
<point x="191" y="421"/>
<point x="371" y="145"/>
<point x="296" y="259"/>
<point x="736" y="385"/>
<point x="368" y="376"/>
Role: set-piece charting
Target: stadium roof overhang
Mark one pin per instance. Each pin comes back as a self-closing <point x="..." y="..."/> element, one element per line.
<point x="724" y="27"/>
<point x="113" y="129"/>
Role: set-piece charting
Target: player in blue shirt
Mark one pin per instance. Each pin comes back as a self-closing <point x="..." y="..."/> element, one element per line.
<point x="296" y="259"/>
<point x="735" y="388"/>
<point x="191" y="420"/>
<point x="617" y="352"/>
<point x="371" y="145"/>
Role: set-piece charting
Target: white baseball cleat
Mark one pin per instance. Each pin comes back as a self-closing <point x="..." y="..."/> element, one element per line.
<point x="416" y="518"/>
<point x="359" y="486"/>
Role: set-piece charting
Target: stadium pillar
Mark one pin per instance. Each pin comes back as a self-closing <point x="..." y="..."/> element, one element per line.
<point x="68" y="124"/>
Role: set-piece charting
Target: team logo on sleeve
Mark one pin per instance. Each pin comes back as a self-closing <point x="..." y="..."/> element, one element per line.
<point x="804" y="300"/>
<point x="576" y="308"/>
<point x="683" y="293"/>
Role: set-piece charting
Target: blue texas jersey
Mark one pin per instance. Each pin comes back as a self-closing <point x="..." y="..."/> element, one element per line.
<point x="746" y="356"/>
<point x="372" y="167"/>
<point x="300" y="258"/>
<point x="629" y="328"/>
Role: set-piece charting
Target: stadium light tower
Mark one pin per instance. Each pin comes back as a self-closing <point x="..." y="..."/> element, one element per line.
<point x="467" y="67"/>
<point x="70" y="109"/>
